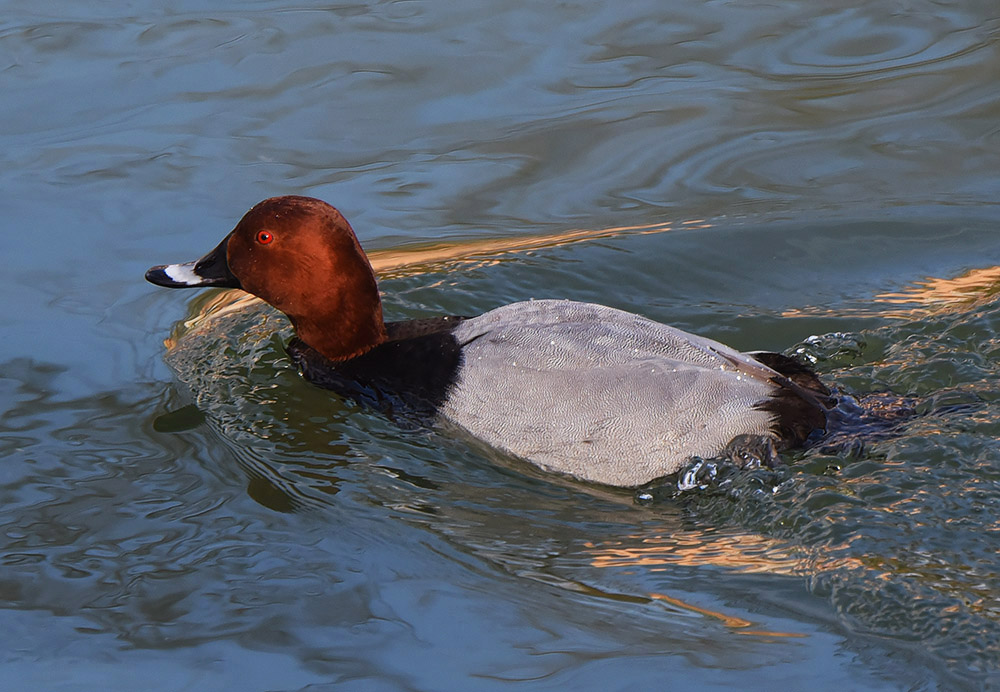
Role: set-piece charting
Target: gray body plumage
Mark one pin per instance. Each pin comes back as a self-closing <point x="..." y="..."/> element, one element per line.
<point x="601" y="394"/>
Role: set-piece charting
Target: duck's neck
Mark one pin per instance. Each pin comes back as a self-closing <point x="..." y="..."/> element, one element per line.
<point x="340" y="339"/>
<point x="345" y="325"/>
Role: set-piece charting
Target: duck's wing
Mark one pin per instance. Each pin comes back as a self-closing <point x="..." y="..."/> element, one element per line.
<point x="556" y="334"/>
<point x="601" y="394"/>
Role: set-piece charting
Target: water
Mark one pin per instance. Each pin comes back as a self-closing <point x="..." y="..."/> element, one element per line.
<point x="774" y="175"/>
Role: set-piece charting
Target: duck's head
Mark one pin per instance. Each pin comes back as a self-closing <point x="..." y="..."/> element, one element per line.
<point x="300" y="255"/>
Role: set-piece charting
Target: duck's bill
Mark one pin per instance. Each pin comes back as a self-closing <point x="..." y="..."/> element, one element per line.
<point x="212" y="270"/>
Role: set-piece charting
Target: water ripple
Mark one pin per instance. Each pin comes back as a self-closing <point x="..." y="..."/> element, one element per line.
<point x="867" y="41"/>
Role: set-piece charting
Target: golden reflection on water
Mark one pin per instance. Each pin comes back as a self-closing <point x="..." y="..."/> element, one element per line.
<point x="974" y="285"/>
<point x="741" y="552"/>
<point x="745" y="553"/>
<point x="409" y="260"/>
<point x="699" y="550"/>
<point x="930" y="294"/>
<point x="737" y="624"/>
<point x="613" y="555"/>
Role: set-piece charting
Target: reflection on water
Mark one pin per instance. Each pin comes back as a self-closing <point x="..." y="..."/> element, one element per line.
<point x="739" y="551"/>
<point x="979" y="284"/>
<point x="924" y="297"/>
<point x="735" y="623"/>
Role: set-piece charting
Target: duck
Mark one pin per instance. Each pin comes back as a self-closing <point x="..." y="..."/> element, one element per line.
<point x="591" y="392"/>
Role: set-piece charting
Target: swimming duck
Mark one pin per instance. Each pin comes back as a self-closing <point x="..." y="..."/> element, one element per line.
<point x="580" y="389"/>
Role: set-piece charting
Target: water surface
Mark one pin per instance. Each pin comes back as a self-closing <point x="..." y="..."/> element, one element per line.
<point x="813" y="180"/>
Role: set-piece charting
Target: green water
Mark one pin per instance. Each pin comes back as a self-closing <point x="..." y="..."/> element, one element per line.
<point x="197" y="517"/>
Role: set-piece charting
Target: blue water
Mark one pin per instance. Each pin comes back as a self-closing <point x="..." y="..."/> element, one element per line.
<point x="192" y="515"/>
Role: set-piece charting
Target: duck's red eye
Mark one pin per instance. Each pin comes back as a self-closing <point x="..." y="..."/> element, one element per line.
<point x="264" y="237"/>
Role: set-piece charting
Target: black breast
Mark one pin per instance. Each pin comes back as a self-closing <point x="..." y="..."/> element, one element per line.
<point x="408" y="377"/>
